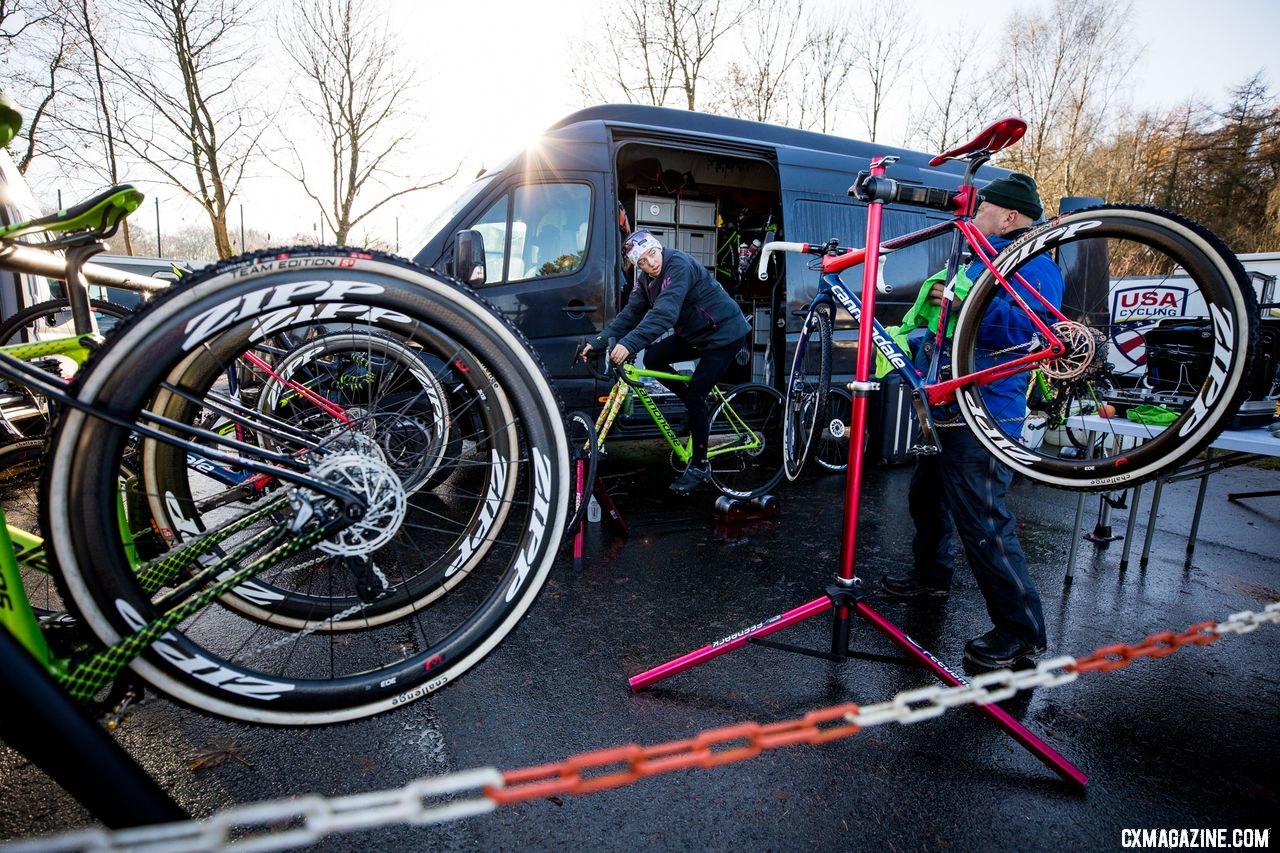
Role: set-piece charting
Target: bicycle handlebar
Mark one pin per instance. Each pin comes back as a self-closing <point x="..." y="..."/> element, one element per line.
<point x="612" y="372"/>
<point x="604" y="376"/>
<point x="762" y="269"/>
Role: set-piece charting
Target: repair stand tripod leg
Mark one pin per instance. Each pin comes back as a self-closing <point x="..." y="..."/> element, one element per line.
<point x="844" y="597"/>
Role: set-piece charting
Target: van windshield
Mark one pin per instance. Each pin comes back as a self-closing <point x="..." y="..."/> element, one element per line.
<point x="449" y="211"/>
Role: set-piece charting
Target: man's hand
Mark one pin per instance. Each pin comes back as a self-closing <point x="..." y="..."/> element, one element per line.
<point x="936" y="290"/>
<point x="585" y="352"/>
<point x="619" y="354"/>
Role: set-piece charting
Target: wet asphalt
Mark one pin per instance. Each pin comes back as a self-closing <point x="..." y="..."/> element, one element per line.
<point x="1187" y="741"/>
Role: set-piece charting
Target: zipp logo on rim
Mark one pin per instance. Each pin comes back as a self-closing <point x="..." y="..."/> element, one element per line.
<point x="541" y="509"/>
<point x="993" y="432"/>
<point x="201" y="667"/>
<point x="283" y="304"/>
<point x="1041" y="241"/>
<point x="1215" y="382"/>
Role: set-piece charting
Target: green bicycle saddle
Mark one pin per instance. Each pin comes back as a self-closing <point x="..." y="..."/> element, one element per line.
<point x="10" y="121"/>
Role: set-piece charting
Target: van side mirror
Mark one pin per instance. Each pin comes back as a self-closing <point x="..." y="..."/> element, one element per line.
<point x="468" y="256"/>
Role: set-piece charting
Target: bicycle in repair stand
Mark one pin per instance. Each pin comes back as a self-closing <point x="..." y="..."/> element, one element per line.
<point x="1067" y="347"/>
<point x="1127" y="239"/>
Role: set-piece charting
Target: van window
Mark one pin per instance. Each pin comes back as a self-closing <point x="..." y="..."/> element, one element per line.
<point x="492" y="226"/>
<point x="905" y="268"/>
<point x="544" y="235"/>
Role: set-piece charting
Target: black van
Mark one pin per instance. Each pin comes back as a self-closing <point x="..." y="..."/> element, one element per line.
<point x="707" y="184"/>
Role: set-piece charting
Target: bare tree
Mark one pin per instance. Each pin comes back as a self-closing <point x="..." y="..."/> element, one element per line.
<point x="757" y="86"/>
<point x="86" y="119"/>
<point x="1066" y="66"/>
<point x="695" y="27"/>
<point x="632" y="60"/>
<point x="958" y="99"/>
<point x="829" y="59"/>
<point x="192" y="116"/>
<point x="653" y="49"/>
<point x="885" y="37"/>
<point x="355" y="85"/>
<point x="36" y="43"/>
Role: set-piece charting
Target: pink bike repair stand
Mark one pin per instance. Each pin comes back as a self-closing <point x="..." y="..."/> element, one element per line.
<point x="843" y="597"/>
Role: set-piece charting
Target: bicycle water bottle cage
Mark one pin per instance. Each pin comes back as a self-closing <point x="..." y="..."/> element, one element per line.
<point x="87" y="222"/>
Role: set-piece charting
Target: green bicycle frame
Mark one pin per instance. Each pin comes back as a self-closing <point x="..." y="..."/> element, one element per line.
<point x="744" y="437"/>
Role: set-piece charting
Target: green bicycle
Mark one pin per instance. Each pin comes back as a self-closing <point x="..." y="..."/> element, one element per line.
<point x="744" y="447"/>
<point x="335" y="579"/>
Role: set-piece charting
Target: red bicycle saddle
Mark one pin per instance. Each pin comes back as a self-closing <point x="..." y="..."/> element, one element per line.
<point x="998" y="136"/>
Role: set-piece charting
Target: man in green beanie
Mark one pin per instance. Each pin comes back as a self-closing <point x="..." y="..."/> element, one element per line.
<point x="962" y="489"/>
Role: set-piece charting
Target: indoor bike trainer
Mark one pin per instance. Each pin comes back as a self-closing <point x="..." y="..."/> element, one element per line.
<point x="844" y="596"/>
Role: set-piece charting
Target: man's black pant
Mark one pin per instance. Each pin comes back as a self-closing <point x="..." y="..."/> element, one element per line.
<point x="712" y="363"/>
<point x="962" y="490"/>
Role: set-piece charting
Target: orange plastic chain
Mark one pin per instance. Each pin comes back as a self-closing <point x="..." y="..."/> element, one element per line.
<point x="1110" y="658"/>
<point x="709" y="749"/>
<point x="621" y="765"/>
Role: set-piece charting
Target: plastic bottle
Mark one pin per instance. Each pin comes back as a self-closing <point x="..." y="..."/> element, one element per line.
<point x="593" y="510"/>
<point x="744" y="257"/>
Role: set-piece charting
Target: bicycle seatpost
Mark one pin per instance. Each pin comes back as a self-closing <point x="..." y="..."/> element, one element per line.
<point x="78" y="288"/>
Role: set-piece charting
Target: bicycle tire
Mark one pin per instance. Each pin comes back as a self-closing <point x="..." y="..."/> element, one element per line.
<point x="391" y="397"/>
<point x="415" y="434"/>
<point x="491" y="554"/>
<point x="1119" y="240"/>
<point x="20" y="466"/>
<point x="832" y="450"/>
<point x="23" y="327"/>
<point x="584" y="462"/>
<point x="56" y="312"/>
<point x="807" y="387"/>
<point x="749" y="472"/>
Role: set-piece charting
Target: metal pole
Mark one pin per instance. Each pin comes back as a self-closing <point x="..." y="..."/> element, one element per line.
<point x="59" y="199"/>
<point x="242" y="245"/>
<point x="159" y="253"/>
<point x="397" y="235"/>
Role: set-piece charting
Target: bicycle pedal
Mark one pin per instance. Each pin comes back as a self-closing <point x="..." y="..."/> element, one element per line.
<point x="925" y="450"/>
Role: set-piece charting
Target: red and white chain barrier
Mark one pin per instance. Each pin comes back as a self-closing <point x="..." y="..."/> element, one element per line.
<point x="296" y="822"/>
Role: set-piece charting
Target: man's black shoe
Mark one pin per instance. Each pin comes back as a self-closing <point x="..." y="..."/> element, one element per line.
<point x="906" y="586"/>
<point x="691" y="479"/>
<point x="998" y="650"/>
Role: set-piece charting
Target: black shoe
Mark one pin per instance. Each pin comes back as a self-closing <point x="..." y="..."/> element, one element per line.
<point x="906" y="586"/>
<point x="691" y="479"/>
<point x="997" y="649"/>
